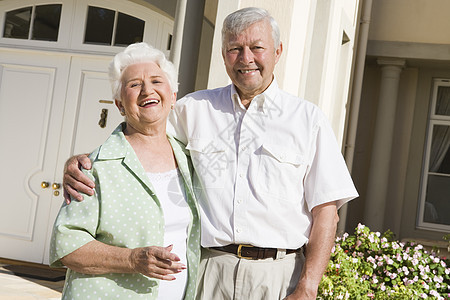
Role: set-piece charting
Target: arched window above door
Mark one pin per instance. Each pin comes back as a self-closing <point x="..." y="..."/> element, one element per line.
<point x="112" y="28"/>
<point x="82" y="25"/>
<point x="38" y="22"/>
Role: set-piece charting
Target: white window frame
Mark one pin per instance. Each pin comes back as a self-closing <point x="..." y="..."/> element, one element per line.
<point x="64" y="26"/>
<point x="73" y="22"/>
<point x="153" y="31"/>
<point x="432" y="121"/>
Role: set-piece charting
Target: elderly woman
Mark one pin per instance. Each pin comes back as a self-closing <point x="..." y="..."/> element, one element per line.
<point x="139" y="232"/>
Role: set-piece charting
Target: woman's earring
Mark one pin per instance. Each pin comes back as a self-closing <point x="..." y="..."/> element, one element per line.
<point x="171" y="106"/>
<point x="122" y="112"/>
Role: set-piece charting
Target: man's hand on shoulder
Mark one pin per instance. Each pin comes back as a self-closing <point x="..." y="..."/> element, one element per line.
<point x="75" y="181"/>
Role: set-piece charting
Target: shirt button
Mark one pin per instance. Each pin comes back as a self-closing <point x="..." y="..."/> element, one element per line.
<point x="239" y="201"/>
<point x="238" y="230"/>
<point x="244" y="148"/>
<point x="241" y="175"/>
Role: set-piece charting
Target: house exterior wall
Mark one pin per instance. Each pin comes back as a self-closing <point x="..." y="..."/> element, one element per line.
<point x="413" y="31"/>
<point x="418" y="21"/>
<point x="314" y="64"/>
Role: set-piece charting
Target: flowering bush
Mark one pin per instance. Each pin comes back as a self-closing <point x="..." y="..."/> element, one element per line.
<point x="369" y="265"/>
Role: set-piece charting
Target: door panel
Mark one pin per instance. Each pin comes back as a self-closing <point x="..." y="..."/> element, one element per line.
<point x="32" y="89"/>
<point x="88" y="94"/>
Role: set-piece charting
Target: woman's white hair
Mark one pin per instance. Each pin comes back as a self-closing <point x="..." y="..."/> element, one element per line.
<point x="139" y="53"/>
<point x="241" y="19"/>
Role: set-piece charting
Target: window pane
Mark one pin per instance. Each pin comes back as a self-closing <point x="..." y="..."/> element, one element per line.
<point x="440" y="154"/>
<point x="99" y="26"/>
<point x="443" y="101"/>
<point x="17" y="23"/>
<point x="437" y="204"/>
<point x="129" y="30"/>
<point x="46" y="22"/>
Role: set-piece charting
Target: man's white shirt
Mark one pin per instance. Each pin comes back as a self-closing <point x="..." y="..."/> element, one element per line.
<point x="259" y="171"/>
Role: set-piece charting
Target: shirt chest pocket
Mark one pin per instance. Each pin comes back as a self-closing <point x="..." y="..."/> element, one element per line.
<point x="281" y="173"/>
<point x="210" y="162"/>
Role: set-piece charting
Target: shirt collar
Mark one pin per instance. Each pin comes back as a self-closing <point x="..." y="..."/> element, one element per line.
<point x="263" y="101"/>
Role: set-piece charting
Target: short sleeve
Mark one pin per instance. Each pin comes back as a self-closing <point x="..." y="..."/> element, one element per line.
<point x="328" y="178"/>
<point x="75" y="225"/>
<point x="176" y="124"/>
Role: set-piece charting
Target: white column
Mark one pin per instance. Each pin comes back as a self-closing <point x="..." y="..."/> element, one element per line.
<point x="190" y="44"/>
<point x="378" y="181"/>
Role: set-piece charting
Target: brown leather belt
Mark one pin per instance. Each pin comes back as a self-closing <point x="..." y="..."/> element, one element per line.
<point x="251" y="252"/>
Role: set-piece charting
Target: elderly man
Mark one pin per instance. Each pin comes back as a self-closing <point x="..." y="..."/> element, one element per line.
<point x="269" y="175"/>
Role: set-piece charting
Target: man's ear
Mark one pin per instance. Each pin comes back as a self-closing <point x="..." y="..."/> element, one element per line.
<point x="278" y="52"/>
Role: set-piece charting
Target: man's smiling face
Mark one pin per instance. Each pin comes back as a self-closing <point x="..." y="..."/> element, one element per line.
<point x="250" y="58"/>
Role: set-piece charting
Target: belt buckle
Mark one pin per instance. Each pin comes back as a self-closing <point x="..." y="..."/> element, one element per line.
<point x="239" y="251"/>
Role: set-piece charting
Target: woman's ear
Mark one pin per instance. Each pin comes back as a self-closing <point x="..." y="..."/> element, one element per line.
<point x="120" y="107"/>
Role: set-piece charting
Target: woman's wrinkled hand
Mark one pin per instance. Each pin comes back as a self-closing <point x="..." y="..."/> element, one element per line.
<point x="156" y="262"/>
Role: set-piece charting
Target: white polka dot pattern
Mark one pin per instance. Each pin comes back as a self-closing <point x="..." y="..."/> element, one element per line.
<point x="124" y="212"/>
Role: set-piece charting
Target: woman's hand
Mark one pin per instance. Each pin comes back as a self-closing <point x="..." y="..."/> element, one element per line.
<point x="156" y="262"/>
<point x="75" y="181"/>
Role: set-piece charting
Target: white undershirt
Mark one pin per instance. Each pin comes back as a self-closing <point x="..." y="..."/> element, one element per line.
<point x="170" y="192"/>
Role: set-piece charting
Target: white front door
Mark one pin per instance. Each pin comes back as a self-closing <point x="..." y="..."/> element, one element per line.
<point x="32" y="92"/>
<point x="54" y="104"/>
<point x="51" y="106"/>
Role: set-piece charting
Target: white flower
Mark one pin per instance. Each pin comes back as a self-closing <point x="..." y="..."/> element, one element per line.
<point x="434" y="293"/>
<point x="405" y="270"/>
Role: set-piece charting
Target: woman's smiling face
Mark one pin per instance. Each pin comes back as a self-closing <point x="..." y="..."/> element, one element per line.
<point x="146" y="96"/>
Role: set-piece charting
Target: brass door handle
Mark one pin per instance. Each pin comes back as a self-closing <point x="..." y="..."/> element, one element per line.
<point x="103" y="117"/>
<point x="56" y="186"/>
<point x="45" y="184"/>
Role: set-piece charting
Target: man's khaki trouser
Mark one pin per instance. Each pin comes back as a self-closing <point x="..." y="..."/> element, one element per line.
<point x="224" y="276"/>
